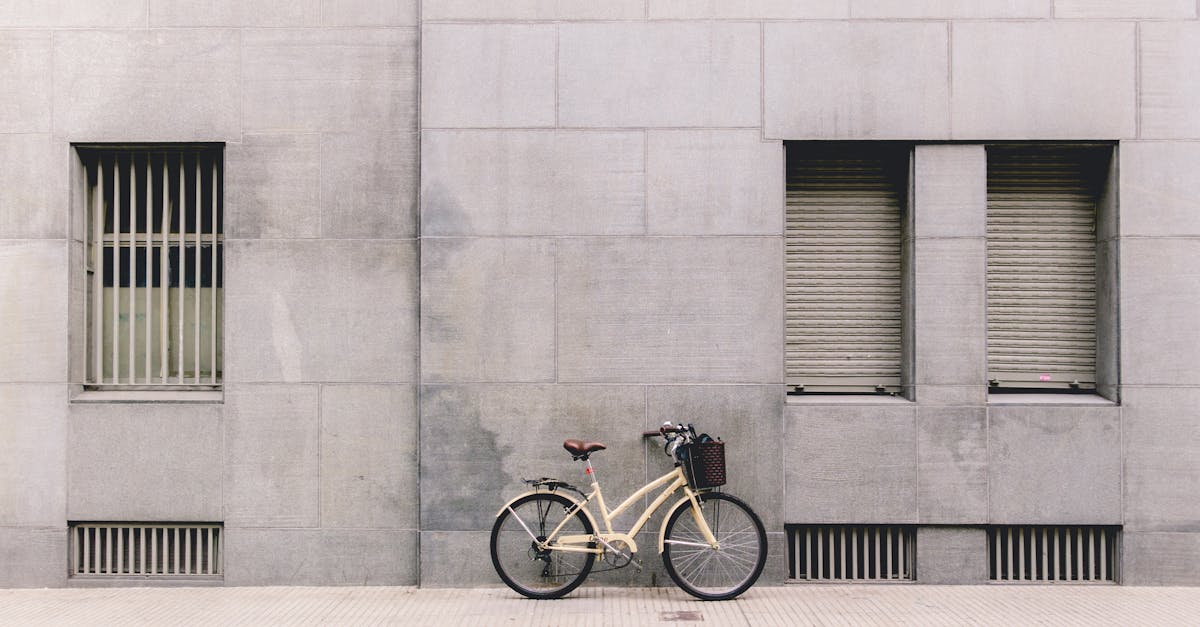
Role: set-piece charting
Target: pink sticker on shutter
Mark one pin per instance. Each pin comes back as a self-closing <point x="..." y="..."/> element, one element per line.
<point x="1044" y="377"/>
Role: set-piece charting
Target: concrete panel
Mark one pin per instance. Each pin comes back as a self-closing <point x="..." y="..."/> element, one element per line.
<point x="176" y="85"/>
<point x="1054" y="464"/>
<point x="33" y="186"/>
<point x="1160" y="559"/>
<point x="1162" y="459"/>
<point x="486" y="10"/>
<point x="479" y="441"/>
<point x="321" y="311"/>
<point x="931" y="395"/>
<point x="33" y="302"/>
<point x="33" y="463"/>
<point x="748" y="418"/>
<point x="25" y="62"/>
<point x="659" y="74"/>
<point x="369" y="456"/>
<point x="235" y="13"/>
<point x="933" y="9"/>
<point x="1160" y="294"/>
<point x="950" y="311"/>
<point x="488" y="75"/>
<point x="1070" y="9"/>
<point x="952" y="555"/>
<point x="69" y="13"/>
<point x="145" y="462"/>
<point x="487" y="310"/>
<point x="952" y="465"/>
<point x="33" y="557"/>
<point x="670" y="310"/>
<point x="713" y="183"/>
<point x="950" y="191"/>
<point x="1160" y="194"/>
<point x="1051" y="80"/>
<point x="856" y="81"/>
<point x="747" y="9"/>
<point x="532" y="183"/>
<point x="1170" y="80"/>
<point x="271" y="456"/>
<point x="850" y="464"/>
<point x="340" y="80"/>
<point x="323" y="557"/>
<point x="272" y="186"/>
<point x="439" y="572"/>
<point x="369" y="185"/>
<point x="369" y="12"/>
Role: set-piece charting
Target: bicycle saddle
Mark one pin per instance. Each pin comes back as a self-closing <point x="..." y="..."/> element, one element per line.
<point x="580" y="449"/>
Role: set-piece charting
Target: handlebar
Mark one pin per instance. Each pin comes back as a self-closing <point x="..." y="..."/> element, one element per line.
<point x="674" y="434"/>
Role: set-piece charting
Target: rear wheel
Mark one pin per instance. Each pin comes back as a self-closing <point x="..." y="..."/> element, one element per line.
<point x="721" y="573"/>
<point x="533" y="572"/>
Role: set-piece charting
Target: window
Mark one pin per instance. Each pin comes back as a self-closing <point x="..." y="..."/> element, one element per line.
<point x="1043" y="294"/>
<point x="154" y="265"/>
<point x="845" y="310"/>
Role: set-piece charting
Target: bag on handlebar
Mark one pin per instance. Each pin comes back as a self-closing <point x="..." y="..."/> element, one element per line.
<point x="704" y="463"/>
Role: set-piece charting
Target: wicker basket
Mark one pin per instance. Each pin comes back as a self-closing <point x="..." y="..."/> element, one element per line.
<point x="704" y="464"/>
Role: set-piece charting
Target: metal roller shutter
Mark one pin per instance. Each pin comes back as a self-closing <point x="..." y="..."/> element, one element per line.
<point x="844" y="314"/>
<point x="1041" y="266"/>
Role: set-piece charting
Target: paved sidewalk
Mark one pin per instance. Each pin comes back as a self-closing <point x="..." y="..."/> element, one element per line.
<point x="787" y="605"/>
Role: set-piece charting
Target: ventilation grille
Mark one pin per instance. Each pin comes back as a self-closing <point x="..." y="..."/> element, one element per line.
<point x="1077" y="554"/>
<point x="133" y="550"/>
<point x="851" y="553"/>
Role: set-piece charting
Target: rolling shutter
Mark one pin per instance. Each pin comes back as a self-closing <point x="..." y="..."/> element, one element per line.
<point x="844" y="314"/>
<point x="1041" y="266"/>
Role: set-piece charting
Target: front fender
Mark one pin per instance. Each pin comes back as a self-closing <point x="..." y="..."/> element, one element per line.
<point x="578" y="504"/>
<point x="662" y="531"/>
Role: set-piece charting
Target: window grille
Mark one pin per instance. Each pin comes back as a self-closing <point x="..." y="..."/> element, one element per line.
<point x="155" y="265"/>
<point x="1053" y="553"/>
<point x="103" y="549"/>
<point x="851" y="552"/>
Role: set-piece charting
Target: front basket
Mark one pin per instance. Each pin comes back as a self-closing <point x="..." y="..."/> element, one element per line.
<point x="704" y="464"/>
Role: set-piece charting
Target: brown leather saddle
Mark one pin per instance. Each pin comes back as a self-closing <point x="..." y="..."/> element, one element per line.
<point x="580" y="449"/>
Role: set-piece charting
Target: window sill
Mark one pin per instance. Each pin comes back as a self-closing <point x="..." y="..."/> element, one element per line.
<point x="852" y="399"/>
<point x="1049" y="399"/>
<point x="148" y="396"/>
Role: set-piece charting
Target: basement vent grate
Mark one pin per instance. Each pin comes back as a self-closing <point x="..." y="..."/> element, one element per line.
<point x="1053" y="553"/>
<point x="105" y="549"/>
<point x="851" y="552"/>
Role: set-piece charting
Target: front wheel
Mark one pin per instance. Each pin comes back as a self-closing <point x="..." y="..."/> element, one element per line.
<point x="534" y="572"/>
<point x="722" y="573"/>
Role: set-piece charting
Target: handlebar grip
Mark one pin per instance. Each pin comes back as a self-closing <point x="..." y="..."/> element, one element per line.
<point x="651" y="434"/>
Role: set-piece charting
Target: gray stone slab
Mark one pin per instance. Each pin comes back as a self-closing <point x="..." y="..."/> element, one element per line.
<point x="33" y="186"/>
<point x="494" y="75"/>
<point x="235" y="13"/>
<point x="439" y="570"/>
<point x="33" y="557"/>
<point x="176" y="85"/>
<point x="25" y="95"/>
<point x="271" y="456"/>
<point x="952" y="465"/>
<point x="1160" y="559"/>
<point x="33" y="338"/>
<point x="370" y="12"/>
<point x="145" y="462"/>
<point x="950" y="311"/>
<point x="272" y="186"/>
<point x="1162" y="459"/>
<point x="1027" y="80"/>
<point x="666" y="74"/>
<point x="479" y="441"/>
<point x="1159" y="192"/>
<point x="748" y="9"/>
<point x="1160" y="294"/>
<point x="487" y="310"/>
<point x="670" y="310"/>
<point x="487" y="10"/>
<point x="713" y="183"/>
<point x="952" y="555"/>
<point x="850" y="464"/>
<point x="1170" y="80"/>
<point x="533" y="183"/>
<point x="932" y="395"/>
<point x="323" y="557"/>
<point x="369" y="184"/>
<point x="369" y="456"/>
<point x="33" y="459"/>
<point x="76" y="13"/>
<point x="841" y="80"/>
<point x="321" y="311"/>
<point x="1054" y="464"/>
<point x="934" y="9"/>
<point x="368" y="54"/>
<point x="1084" y="9"/>
<point x="950" y="190"/>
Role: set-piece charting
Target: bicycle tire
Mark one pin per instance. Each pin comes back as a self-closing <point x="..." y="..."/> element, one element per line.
<point x="547" y="574"/>
<point x="715" y="574"/>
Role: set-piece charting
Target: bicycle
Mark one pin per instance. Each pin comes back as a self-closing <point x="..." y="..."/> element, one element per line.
<point x="544" y="542"/>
